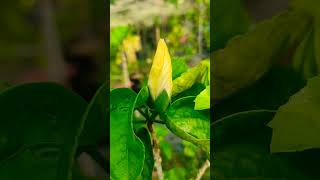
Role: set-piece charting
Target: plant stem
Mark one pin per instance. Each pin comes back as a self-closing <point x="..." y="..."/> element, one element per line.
<point x="125" y="71"/>
<point x="52" y="46"/>
<point x="156" y="152"/>
<point x="203" y="169"/>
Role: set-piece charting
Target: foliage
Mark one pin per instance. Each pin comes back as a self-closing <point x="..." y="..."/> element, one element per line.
<point x="45" y="128"/>
<point x="266" y="93"/>
<point x="133" y="117"/>
<point x="185" y="24"/>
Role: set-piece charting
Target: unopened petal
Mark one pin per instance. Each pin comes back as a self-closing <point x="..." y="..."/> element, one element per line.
<point x="160" y="77"/>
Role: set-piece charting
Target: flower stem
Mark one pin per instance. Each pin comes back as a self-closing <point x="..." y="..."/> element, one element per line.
<point x="157" y="154"/>
<point x="203" y="169"/>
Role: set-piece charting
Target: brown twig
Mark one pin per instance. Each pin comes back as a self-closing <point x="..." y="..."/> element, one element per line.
<point x="203" y="169"/>
<point x="125" y="71"/>
<point x="56" y="67"/>
<point x="156" y="153"/>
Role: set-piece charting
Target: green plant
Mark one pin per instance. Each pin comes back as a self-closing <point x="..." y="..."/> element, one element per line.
<point x="176" y="103"/>
<point x="266" y="89"/>
<point x="45" y="127"/>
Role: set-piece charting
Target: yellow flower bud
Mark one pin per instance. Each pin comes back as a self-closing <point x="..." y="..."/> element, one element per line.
<point x="160" y="77"/>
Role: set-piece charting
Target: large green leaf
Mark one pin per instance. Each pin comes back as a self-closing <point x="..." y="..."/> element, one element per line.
<point x="142" y="132"/>
<point x="247" y="57"/>
<point x="39" y="125"/>
<point x="241" y="151"/>
<point x="145" y="137"/>
<point x="238" y="124"/>
<point x="296" y="126"/>
<point x="189" y="124"/>
<point x="270" y="92"/>
<point x="127" y="152"/>
<point x="95" y="118"/>
<point x="224" y="14"/>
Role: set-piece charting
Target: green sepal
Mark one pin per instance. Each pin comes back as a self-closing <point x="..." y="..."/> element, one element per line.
<point x="142" y="96"/>
<point x="162" y="102"/>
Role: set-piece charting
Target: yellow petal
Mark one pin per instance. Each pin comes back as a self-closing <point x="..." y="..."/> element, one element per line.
<point x="160" y="77"/>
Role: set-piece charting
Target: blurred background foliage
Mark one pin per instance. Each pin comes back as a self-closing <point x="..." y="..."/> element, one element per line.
<point x="54" y="40"/>
<point x="136" y="27"/>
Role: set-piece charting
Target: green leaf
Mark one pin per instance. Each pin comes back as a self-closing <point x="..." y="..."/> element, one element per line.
<point x="189" y="124"/>
<point x="249" y="158"/>
<point x="179" y="66"/>
<point x="241" y="151"/>
<point x="194" y="90"/>
<point x="95" y="117"/>
<point x="202" y="101"/>
<point x="310" y="48"/>
<point x="144" y="135"/>
<point x="304" y="60"/>
<point x="127" y="152"/>
<point x="205" y="79"/>
<point x="317" y="42"/>
<point x="230" y="127"/>
<point x="224" y="14"/>
<point x="162" y="102"/>
<point x="188" y="79"/>
<point x="246" y="58"/>
<point x="296" y="126"/>
<point x="142" y="97"/>
<point x="39" y="125"/>
<point x="270" y="92"/>
<point x="310" y="7"/>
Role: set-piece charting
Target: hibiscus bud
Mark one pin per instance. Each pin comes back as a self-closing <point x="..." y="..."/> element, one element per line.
<point x="160" y="77"/>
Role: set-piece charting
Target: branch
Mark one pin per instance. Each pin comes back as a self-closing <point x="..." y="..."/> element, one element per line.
<point x="203" y="169"/>
<point x="156" y="153"/>
<point x="56" y="67"/>
<point x="125" y="71"/>
<point x="95" y="155"/>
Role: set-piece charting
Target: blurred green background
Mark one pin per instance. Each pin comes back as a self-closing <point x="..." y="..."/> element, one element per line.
<point x="54" y="40"/>
<point x="136" y="27"/>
